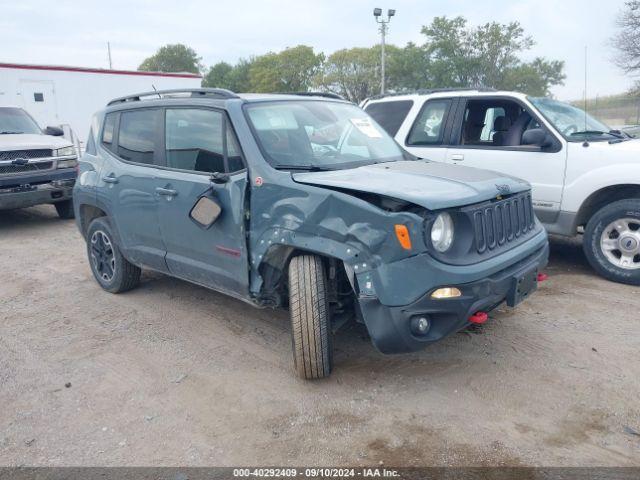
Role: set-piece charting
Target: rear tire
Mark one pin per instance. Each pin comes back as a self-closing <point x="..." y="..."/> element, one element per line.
<point x="310" y="317"/>
<point x="612" y="241"/>
<point x="111" y="270"/>
<point x="65" y="209"/>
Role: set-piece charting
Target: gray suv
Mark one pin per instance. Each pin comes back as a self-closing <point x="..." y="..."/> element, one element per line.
<point x="304" y="202"/>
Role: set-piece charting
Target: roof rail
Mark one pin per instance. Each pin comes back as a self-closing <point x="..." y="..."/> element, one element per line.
<point x="195" y="92"/>
<point x="427" y="91"/>
<point x="335" y="96"/>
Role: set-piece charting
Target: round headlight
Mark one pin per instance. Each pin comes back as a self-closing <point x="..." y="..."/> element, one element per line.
<point x="442" y="232"/>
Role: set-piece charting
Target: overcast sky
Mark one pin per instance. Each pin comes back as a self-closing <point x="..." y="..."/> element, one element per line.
<point x="75" y="33"/>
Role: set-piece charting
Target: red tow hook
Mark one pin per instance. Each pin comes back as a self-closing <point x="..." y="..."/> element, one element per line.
<point x="478" y="318"/>
<point x="542" y="277"/>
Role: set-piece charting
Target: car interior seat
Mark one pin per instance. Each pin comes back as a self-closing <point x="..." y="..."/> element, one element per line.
<point x="501" y="126"/>
<point x="513" y="136"/>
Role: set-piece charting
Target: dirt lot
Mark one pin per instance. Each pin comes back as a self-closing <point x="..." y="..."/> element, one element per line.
<point x="173" y="374"/>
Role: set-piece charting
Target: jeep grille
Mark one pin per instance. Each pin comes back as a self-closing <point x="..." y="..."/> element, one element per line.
<point x="29" y="167"/>
<point x="502" y="222"/>
<point x="26" y="154"/>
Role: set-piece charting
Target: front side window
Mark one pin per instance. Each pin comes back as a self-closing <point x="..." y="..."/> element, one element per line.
<point x="310" y="134"/>
<point x="495" y="123"/>
<point x="572" y="122"/>
<point x="138" y="135"/>
<point x="195" y="140"/>
<point x="15" y="121"/>
<point x="428" y="128"/>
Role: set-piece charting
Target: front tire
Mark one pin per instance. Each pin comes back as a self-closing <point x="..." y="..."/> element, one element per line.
<point x="111" y="270"/>
<point x="65" y="209"/>
<point x="310" y="317"/>
<point x="612" y="241"/>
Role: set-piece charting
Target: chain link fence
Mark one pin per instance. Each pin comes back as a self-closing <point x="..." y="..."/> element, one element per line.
<point x="618" y="112"/>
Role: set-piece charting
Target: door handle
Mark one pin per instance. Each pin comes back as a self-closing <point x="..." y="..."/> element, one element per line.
<point x="110" y="179"/>
<point x="167" y="192"/>
<point x="457" y="157"/>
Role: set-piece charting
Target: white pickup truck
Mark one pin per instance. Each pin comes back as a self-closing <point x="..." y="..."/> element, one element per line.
<point x="36" y="166"/>
<point x="585" y="176"/>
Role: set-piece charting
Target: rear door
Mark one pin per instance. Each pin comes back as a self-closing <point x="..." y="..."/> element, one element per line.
<point x="199" y="143"/>
<point x="131" y="143"/>
<point x="487" y="133"/>
<point x="428" y="135"/>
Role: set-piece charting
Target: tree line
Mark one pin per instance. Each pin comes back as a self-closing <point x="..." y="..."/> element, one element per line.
<point x="453" y="54"/>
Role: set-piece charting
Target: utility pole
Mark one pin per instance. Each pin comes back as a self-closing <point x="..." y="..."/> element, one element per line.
<point x="109" y="52"/>
<point x="384" y="26"/>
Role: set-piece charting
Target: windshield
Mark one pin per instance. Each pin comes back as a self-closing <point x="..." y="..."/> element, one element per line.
<point x="16" y="120"/>
<point x="320" y="135"/>
<point x="572" y="122"/>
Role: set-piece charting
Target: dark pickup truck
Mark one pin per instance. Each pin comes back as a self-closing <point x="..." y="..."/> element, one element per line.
<point x="36" y="166"/>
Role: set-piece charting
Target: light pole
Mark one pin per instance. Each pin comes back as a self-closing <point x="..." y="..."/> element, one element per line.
<point x="377" y="13"/>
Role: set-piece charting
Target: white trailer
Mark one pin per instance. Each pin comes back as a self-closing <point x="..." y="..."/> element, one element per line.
<point x="69" y="96"/>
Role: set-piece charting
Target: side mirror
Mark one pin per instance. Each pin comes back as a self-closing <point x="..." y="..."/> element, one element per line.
<point x="54" y="131"/>
<point x="205" y="212"/>
<point x="538" y="137"/>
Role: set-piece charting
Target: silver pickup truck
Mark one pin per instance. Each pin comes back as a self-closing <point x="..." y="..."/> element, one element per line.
<point x="36" y="166"/>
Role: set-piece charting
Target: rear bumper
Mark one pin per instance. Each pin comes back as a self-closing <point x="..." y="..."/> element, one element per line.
<point x="390" y="327"/>
<point x="27" y="191"/>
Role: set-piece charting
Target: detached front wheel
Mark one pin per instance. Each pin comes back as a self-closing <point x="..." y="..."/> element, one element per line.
<point x="310" y="317"/>
<point x="612" y="241"/>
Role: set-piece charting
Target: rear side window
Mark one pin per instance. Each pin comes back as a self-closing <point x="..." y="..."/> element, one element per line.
<point x="390" y="115"/>
<point x="199" y="140"/>
<point x="428" y="128"/>
<point x="138" y="136"/>
<point x="108" y="130"/>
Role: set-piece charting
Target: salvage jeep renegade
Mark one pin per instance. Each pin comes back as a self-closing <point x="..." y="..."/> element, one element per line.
<point x="302" y="201"/>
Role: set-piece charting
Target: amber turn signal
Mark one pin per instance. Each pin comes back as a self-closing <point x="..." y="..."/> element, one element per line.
<point x="402" y="233"/>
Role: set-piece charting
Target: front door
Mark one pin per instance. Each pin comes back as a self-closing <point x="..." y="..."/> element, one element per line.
<point x="200" y="145"/>
<point x="488" y="134"/>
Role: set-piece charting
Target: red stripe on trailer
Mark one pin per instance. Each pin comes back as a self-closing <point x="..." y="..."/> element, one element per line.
<point x="56" y="68"/>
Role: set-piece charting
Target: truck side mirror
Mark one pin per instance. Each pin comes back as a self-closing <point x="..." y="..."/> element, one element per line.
<point x="537" y="137"/>
<point x="205" y="212"/>
<point x="54" y="131"/>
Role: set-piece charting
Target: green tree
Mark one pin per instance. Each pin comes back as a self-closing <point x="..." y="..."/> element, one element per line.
<point x="353" y="73"/>
<point x="232" y="77"/>
<point x="291" y="70"/>
<point x="535" y="77"/>
<point x="407" y="68"/>
<point x="219" y="76"/>
<point x="486" y="56"/>
<point x="173" y="58"/>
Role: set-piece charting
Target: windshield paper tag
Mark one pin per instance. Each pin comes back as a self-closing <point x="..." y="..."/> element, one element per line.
<point x="366" y="127"/>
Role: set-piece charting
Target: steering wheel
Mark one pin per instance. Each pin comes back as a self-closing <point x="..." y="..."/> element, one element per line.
<point x="570" y="129"/>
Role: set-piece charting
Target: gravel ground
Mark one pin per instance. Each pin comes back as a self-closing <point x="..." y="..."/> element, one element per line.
<point x="174" y="374"/>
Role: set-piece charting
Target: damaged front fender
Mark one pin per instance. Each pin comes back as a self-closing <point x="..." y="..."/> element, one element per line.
<point x="292" y="217"/>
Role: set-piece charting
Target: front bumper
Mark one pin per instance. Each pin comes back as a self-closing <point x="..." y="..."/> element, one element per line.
<point x="390" y="326"/>
<point x="29" y="190"/>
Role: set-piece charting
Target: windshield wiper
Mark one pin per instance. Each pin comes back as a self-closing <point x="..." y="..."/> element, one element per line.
<point x="306" y="168"/>
<point x="9" y="132"/>
<point x="613" y="133"/>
